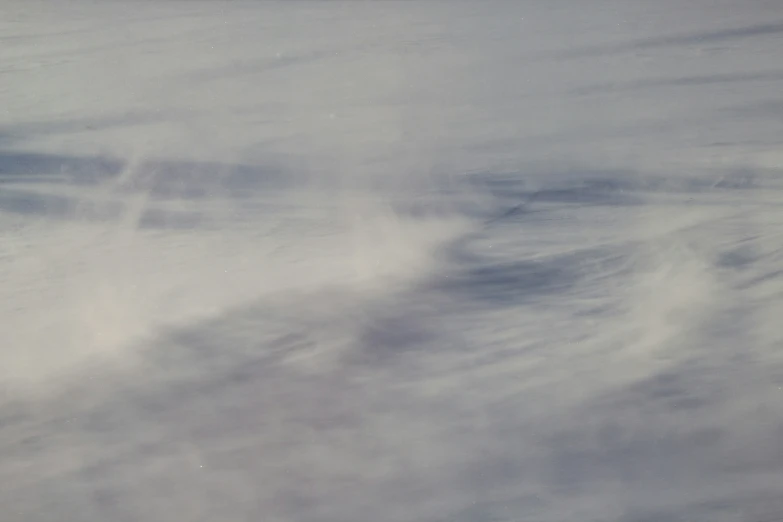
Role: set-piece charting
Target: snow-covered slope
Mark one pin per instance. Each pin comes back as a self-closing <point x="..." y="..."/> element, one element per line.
<point x="404" y="261"/>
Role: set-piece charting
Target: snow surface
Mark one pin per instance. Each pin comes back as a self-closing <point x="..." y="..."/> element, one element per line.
<point x="391" y="260"/>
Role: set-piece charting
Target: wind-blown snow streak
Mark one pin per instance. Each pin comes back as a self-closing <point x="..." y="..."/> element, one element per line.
<point x="404" y="261"/>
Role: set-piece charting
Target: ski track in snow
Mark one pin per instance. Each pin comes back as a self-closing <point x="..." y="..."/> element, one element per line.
<point x="395" y="261"/>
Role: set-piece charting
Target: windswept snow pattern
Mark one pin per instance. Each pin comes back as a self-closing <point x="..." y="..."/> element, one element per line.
<point x="339" y="261"/>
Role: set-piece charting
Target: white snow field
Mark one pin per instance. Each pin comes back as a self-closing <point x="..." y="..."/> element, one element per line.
<point x="353" y="261"/>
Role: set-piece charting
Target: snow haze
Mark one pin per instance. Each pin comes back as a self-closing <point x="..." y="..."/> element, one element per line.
<point x="340" y="261"/>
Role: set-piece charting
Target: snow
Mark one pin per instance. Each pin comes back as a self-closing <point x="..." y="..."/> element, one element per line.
<point x="406" y="261"/>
